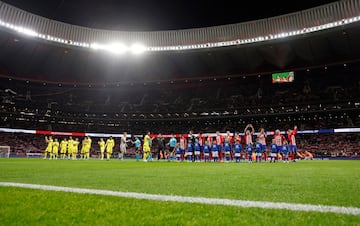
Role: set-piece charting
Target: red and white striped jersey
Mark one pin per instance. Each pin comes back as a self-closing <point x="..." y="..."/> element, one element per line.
<point x="230" y="138"/>
<point x="238" y="138"/>
<point x="248" y="138"/>
<point x="279" y="139"/>
<point x="219" y="139"/>
<point x="291" y="137"/>
<point x="183" y="143"/>
<point x="209" y="140"/>
<point x="262" y="138"/>
<point x="201" y="140"/>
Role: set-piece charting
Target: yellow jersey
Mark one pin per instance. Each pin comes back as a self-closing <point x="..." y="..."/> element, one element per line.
<point x="63" y="146"/>
<point x="110" y="143"/>
<point x="70" y="145"/>
<point x="102" y="145"/>
<point x="55" y="146"/>
<point x="87" y="144"/>
<point x="49" y="144"/>
<point x="76" y="146"/>
<point x="147" y="141"/>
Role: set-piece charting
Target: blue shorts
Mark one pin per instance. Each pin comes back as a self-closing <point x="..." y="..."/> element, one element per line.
<point x="293" y="148"/>
<point x="182" y="152"/>
<point x="263" y="147"/>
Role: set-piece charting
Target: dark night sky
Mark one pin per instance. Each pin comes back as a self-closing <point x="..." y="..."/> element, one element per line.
<point x="150" y="15"/>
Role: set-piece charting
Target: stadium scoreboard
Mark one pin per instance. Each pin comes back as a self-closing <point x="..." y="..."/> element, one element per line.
<point x="283" y="77"/>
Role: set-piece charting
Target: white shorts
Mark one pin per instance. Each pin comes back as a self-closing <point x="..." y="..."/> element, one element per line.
<point x="206" y="154"/>
<point x="273" y="154"/>
<point x="227" y="153"/>
<point x="197" y="152"/>
<point x="215" y="154"/>
<point x="258" y="154"/>
<point x="237" y="154"/>
<point x="123" y="147"/>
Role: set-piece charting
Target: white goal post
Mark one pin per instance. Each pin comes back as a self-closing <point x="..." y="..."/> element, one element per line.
<point x="4" y="151"/>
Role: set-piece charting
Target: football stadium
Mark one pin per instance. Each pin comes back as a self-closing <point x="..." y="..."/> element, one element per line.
<point x="214" y="120"/>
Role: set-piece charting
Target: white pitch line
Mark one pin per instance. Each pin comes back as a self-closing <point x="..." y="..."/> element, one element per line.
<point x="200" y="200"/>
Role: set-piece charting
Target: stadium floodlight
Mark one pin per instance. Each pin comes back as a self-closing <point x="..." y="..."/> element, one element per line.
<point x="95" y="46"/>
<point x="116" y="48"/>
<point x="26" y="31"/>
<point x="138" y="49"/>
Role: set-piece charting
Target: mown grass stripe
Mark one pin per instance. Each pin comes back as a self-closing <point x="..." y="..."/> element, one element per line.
<point x="200" y="200"/>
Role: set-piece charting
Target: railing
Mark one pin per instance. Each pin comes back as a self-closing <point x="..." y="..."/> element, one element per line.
<point x="324" y="14"/>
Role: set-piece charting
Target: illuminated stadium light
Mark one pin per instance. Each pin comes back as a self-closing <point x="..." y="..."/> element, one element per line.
<point x="95" y="46"/>
<point x="118" y="48"/>
<point x="25" y="31"/>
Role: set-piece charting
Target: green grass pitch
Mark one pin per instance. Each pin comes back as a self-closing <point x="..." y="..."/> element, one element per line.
<point x="309" y="182"/>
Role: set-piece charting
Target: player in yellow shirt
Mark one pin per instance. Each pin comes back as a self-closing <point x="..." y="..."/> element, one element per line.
<point x="55" y="149"/>
<point x="70" y="147"/>
<point x="63" y="148"/>
<point x="75" y="148"/>
<point x="110" y="143"/>
<point x="82" y="148"/>
<point x="48" y="149"/>
<point x="102" y="148"/>
<point x="146" y="146"/>
<point x="87" y="147"/>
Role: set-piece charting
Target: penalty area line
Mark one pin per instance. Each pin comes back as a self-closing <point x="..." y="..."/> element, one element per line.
<point x="199" y="200"/>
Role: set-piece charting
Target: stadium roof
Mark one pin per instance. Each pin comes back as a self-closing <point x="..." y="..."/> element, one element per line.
<point x="144" y="15"/>
<point x="27" y="58"/>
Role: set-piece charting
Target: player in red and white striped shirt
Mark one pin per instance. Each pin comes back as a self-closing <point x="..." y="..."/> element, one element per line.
<point x="248" y="135"/>
<point x="279" y="139"/>
<point x="209" y="140"/>
<point x="292" y="142"/>
<point x="219" y="142"/>
<point x="231" y="141"/>
<point x="262" y="140"/>
<point x="237" y="137"/>
<point x="183" y="146"/>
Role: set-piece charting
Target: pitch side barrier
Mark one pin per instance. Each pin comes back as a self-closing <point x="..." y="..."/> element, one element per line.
<point x="83" y="134"/>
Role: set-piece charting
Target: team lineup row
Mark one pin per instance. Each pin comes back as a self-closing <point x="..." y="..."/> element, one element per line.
<point x="191" y="147"/>
<point x="196" y="148"/>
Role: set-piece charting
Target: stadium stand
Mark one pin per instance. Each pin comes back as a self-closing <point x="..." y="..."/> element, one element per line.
<point x="311" y="101"/>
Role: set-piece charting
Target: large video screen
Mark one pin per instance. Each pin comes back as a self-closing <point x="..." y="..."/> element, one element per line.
<point x="283" y="77"/>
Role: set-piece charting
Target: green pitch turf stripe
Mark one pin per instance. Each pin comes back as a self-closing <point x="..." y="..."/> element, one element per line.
<point x="201" y="200"/>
